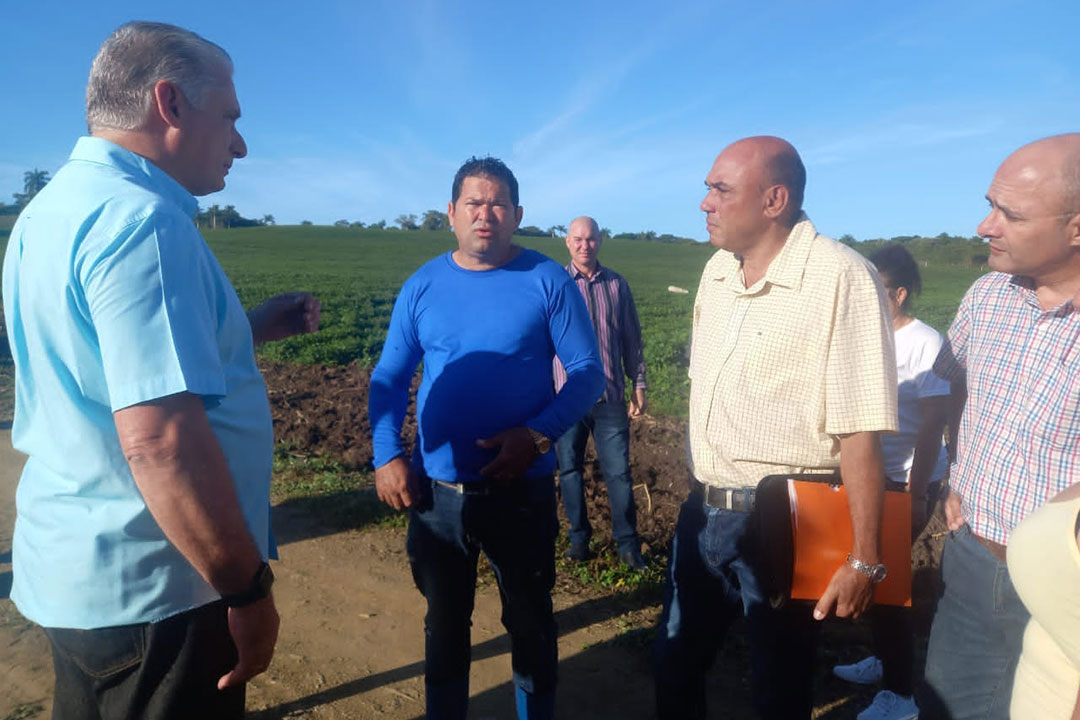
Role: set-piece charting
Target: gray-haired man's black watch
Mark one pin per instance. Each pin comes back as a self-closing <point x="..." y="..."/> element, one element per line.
<point x="876" y="573"/>
<point x="257" y="590"/>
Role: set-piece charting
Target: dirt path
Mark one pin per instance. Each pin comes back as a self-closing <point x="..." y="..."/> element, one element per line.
<point x="351" y="643"/>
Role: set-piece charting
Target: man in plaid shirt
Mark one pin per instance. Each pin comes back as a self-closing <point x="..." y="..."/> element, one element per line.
<point x="1013" y="356"/>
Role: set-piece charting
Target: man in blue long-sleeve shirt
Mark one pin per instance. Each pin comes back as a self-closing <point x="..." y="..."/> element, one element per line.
<point x="486" y="320"/>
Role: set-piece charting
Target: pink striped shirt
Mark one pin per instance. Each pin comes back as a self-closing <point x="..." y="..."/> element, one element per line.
<point x="1019" y="440"/>
<point x="618" y="332"/>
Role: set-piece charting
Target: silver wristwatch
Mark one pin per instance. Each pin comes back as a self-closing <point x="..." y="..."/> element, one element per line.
<point x="876" y="573"/>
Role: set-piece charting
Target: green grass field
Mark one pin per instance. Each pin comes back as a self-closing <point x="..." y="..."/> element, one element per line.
<point x="357" y="273"/>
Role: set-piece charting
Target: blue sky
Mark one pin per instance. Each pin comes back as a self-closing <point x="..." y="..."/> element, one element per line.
<point x="363" y="110"/>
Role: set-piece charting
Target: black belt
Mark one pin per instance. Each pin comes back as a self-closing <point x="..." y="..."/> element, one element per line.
<point x="739" y="499"/>
<point x="474" y="487"/>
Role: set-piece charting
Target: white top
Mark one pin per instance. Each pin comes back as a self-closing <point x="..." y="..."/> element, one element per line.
<point x="917" y="345"/>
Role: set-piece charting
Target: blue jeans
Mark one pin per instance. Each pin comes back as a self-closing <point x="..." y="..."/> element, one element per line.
<point x="976" y="637"/>
<point x="712" y="580"/>
<point x="610" y="429"/>
<point x="515" y="527"/>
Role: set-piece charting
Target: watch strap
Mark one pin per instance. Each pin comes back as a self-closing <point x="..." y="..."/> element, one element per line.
<point x="257" y="589"/>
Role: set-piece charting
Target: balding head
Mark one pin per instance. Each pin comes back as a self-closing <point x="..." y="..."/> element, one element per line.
<point x="1034" y="222"/>
<point x="1054" y="162"/>
<point x="755" y="189"/>
<point x="583" y="241"/>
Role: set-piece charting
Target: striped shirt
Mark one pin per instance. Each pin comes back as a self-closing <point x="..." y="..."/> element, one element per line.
<point x="1019" y="439"/>
<point x="618" y="332"/>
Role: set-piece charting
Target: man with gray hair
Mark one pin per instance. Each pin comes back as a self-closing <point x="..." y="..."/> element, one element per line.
<point x="142" y="528"/>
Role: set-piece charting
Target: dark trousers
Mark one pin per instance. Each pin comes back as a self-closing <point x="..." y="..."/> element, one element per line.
<point x="610" y="428"/>
<point x="894" y="643"/>
<point x="712" y="580"/>
<point x="167" y="669"/>
<point x="976" y="637"/>
<point x="515" y="527"/>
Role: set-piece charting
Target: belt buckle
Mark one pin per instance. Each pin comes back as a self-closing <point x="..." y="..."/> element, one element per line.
<point x="476" y="487"/>
<point x="726" y="498"/>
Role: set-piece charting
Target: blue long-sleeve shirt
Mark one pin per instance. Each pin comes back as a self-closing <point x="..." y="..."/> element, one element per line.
<point x="487" y="339"/>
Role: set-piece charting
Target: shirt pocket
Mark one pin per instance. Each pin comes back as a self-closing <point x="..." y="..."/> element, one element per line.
<point x="1055" y="405"/>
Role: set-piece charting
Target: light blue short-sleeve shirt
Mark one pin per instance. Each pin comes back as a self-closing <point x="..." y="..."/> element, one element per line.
<point x="112" y="298"/>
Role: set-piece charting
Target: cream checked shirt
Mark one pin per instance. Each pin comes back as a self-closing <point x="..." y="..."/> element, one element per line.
<point x="780" y="369"/>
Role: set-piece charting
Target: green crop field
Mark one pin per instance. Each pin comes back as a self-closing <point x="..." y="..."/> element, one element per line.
<point x="357" y="273"/>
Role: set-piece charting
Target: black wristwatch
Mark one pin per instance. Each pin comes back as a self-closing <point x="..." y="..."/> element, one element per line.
<point x="256" y="590"/>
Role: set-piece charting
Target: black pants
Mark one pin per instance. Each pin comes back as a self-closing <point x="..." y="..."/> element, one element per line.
<point x="167" y="669"/>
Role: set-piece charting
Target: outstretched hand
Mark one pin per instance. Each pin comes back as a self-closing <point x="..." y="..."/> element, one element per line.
<point x="516" y="453"/>
<point x="285" y="315"/>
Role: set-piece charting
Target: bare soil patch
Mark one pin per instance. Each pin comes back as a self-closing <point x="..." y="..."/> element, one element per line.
<point x="351" y="644"/>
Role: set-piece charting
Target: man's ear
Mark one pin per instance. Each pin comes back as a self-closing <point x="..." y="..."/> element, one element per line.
<point x="519" y="212"/>
<point x="1072" y="230"/>
<point x="169" y="102"/>
<point x="776" y="201"/>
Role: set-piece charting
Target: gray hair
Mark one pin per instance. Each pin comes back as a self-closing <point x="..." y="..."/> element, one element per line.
<point x="138" y="55"/>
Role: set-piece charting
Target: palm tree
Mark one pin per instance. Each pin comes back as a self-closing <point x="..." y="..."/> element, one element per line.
<point x="33" y="181"/>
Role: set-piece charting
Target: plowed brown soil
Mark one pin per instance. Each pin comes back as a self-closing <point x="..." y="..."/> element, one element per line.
<point x="351" y="644"/>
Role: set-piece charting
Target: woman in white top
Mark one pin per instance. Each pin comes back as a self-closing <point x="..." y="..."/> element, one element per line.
<point x="913" y="457"/>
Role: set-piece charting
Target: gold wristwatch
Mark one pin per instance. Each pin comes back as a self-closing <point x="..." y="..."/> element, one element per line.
<point x="540" y="441"/>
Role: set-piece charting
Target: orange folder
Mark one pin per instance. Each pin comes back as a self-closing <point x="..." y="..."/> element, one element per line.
<point x="821" y="529"/>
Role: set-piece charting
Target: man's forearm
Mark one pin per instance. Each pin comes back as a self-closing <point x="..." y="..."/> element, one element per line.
<point x="184" y="479"/>
<point x="863" y="474"/>
<point x="933" y="414"/>
<point x="957" y="401"/>
<point x="584" y="384"/>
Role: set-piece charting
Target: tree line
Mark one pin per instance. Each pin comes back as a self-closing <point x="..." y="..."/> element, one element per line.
<point x="942" y="248"/>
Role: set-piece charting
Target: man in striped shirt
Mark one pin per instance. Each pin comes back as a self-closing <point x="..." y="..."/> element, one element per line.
<point x="1013" y="357"/>
<point x="618" y="333"/>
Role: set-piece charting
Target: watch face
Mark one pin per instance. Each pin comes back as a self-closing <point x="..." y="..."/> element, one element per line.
<point x="878" y="573"/>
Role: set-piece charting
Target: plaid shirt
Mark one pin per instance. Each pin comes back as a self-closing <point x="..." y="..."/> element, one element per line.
<point x="618" y="332"/>
<point x="1019" y="440"/>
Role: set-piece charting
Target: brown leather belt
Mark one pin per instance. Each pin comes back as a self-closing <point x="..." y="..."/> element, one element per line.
<point x="739" y="499"/>
<point x="996" y="549"/>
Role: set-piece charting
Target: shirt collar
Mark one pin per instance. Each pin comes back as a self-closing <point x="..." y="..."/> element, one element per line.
<point x="575" y="273"/>
<point x="787" y="268"/>
<point x="1025" y="288"/>
<point x="104" y="152"/>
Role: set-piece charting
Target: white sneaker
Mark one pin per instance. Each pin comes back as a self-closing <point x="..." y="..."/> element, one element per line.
<point x="888" y="705"/>
<point x="865" y="672"/>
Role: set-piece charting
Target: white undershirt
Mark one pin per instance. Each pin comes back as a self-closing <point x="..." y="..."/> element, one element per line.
<point x="917" y="345"/>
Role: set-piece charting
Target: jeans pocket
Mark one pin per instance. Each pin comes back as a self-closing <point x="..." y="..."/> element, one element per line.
<point x="100" y="652"/>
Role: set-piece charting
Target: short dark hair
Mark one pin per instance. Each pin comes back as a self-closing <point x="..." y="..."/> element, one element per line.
<point x="489" y="167"/>
<point x="895" y="263"/>
<point x="786" y="168"/>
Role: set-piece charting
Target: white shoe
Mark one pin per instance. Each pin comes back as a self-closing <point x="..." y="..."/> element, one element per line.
<point x="888" y="705"/>
<point x="865" y="672"/>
